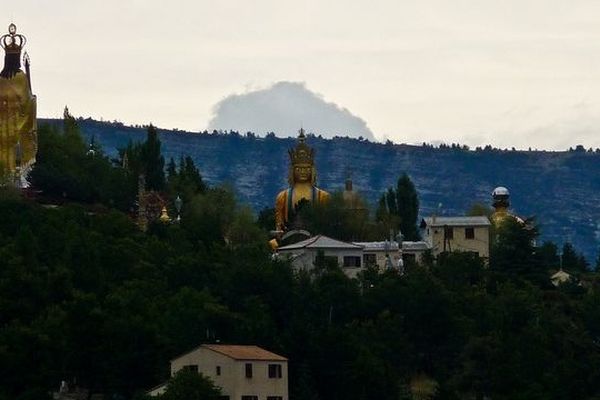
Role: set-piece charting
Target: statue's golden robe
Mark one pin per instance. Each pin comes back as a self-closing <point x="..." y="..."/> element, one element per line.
<point x="287" y="199"/>
<point x="18" y="123"/>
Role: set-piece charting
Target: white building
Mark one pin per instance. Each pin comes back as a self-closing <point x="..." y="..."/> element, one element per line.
<point x="303" y="254"/>
<point x="352" y="257"/>
<point x="242" y="372"/>
<point x="447" y="234"/>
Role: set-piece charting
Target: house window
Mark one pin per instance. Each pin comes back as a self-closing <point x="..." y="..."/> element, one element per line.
<point x="351" y="261"/>
<point x="246" y="397"/>
<point x="448" y="233"/>
<point x="190" y="368"/>
<point x="248" y="370"/>
<point x="275" y="371"/>
<point x="223" y="397"/>
<point x="469" y="233"/>
<point x="370" y="259"/>
<point x="274" y="398"/>
<point x="218" y="370"/>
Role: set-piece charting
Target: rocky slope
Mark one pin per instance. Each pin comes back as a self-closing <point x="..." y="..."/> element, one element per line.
<point x="561" y="189"/>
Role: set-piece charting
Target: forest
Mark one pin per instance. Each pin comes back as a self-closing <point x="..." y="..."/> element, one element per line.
<point x="89" y="298"/>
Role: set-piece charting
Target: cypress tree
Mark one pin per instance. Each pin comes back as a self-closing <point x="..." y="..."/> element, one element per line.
<point x="153" y="161"/>
<point x="407" y="203"/>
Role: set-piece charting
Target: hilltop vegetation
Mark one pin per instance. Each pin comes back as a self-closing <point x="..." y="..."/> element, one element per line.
<point x="561" y="189"/>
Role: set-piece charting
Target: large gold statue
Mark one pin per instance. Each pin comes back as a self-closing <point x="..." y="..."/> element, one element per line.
<point x="18" y="123"/>
<point x="301" y="177"/>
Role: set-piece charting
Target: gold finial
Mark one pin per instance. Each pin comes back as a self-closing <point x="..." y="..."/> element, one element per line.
<point x="164" y="215"/>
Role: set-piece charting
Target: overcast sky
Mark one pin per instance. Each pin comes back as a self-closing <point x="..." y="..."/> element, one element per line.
<point x="510" y="73"/>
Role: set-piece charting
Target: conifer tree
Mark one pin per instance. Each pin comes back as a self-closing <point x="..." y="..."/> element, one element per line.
<point x="408" y="207"/>
<point x="153" y="161"/>
<point x="403" y="203"/>
<point x="171" y="171"/>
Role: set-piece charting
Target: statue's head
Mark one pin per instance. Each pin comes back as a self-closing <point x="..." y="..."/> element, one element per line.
<point x="302" y="167"/>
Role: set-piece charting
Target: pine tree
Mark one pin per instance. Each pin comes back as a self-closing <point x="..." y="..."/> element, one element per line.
<point x="191" y="175"/>
<point x="408" y="207"/>
<point x="403" y="203"/>
<point x="153" y="161"/>
<point x="171" y="171"/>
<point x="570" y="259"/>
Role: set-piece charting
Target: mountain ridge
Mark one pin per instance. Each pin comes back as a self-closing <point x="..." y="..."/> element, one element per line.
<point x="561" y="189"/>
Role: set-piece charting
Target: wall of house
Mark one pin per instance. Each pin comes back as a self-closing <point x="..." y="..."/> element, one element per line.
<point x="380" y="257"/>
<point x="260" y="384"/>
<point x="479" y="244"/>
<point x="305" y="259"/>
<point x="207" y="362"/>
<point x="232" y="380"/>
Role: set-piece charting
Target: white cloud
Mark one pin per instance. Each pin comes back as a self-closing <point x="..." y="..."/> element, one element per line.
<point x="282" y="108"/>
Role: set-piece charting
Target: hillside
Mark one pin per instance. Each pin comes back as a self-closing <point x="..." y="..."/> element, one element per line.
<point x="562" y="189"/>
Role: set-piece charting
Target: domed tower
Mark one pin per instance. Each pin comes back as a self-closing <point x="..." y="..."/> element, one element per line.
<point x="501" y="204"/>
<point x="18" y="123"/>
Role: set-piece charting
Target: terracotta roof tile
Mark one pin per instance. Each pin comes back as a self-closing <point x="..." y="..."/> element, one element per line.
<point x="239" y="352"/>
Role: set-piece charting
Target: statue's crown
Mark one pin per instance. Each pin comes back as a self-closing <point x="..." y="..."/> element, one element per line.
<point x="301" y="154"/>
<point x="12" y="42"/>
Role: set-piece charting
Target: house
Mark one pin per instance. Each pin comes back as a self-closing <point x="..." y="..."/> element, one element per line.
<point x="242" y="372"/>
<point x="303" y="254"/>
<point x="353" y="257"/>
<point x="445" y="234"/>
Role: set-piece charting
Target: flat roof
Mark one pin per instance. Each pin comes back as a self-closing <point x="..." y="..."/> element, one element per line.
<point x="457" y="221"/>
<point x="378" y="246"/>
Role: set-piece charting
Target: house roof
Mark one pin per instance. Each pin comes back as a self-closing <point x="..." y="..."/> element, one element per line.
<point x="238" y="352"/>
<point x="375" y="246"/>
<point x="456" y="221"/>
<point x="414" y="246"/>
<point x="320" y="242"/>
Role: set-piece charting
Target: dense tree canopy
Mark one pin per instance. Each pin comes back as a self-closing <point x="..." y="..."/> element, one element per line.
<point x="85" y="295"/>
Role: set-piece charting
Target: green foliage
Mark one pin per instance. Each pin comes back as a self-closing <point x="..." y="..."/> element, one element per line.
<point x="190" y="385"/>
<point x="76" y="287"/>
<point x="400" y="207"/>
<point x="66" y="171"/>
<point x="186" y="180"/>
<point x="153" y="161"/>
<point x="513" y="253"/>
<point x="571" y="261"/>
<point x="146" y="158"/>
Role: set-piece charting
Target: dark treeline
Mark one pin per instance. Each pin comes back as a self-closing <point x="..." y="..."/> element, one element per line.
<point x="86" y="296"/>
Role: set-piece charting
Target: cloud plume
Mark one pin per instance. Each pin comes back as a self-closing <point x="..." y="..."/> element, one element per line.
<point x="282" y="108"/>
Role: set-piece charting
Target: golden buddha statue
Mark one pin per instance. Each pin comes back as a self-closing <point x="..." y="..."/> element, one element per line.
<point x="18" y="123"/>
<point x="301" y="177"/>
